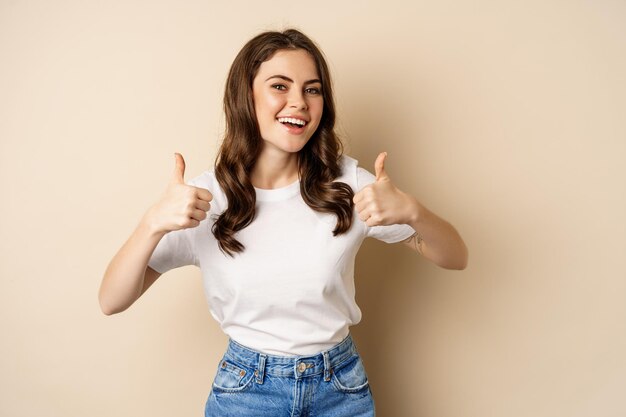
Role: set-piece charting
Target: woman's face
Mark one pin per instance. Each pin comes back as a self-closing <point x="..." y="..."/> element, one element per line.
<point x="288" y="100"/>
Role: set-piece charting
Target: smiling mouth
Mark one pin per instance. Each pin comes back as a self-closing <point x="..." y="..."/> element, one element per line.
<point x="291" y="122"/>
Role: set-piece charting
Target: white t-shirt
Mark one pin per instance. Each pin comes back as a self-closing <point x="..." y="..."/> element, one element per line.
<point x="291" y="291"/>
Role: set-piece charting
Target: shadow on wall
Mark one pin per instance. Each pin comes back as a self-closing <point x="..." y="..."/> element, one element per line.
<point x="392" y="286"/>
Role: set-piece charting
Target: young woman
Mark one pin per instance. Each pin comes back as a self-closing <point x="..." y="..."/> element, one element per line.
<point x="275" y="229"/>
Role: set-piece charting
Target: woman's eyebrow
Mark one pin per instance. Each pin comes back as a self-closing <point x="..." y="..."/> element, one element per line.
<point x="284" y="77"/>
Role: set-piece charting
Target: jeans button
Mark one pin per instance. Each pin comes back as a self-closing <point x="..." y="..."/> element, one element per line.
<point x="301" y="367"/>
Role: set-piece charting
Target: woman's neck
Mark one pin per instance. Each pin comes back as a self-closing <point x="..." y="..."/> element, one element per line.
<point x="274" y="170"/>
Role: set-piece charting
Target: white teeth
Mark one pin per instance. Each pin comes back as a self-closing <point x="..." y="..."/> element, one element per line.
<point x="291" y="120"/>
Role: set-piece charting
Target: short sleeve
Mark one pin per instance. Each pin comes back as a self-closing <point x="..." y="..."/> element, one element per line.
<point x="389" y="234"/>
<point x="175" y="249"/>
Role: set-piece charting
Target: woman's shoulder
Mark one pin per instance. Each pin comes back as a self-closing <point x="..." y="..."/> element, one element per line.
<point x="352" y="174"/>
<point x="204" y="180"/>
<point x="348" y="162"/>
<point x="348" y="167"/>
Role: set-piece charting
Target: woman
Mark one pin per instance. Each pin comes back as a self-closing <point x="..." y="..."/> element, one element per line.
<point x="275" y="230"/>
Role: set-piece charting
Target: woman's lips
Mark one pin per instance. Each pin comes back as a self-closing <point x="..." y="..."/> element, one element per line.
<point x="294" y="125"/>
<point x="293" y="129"/>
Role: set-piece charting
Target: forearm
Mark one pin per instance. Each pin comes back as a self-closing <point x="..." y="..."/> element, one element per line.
<point x="440" y="241"/>
<point x="123" y="280"/>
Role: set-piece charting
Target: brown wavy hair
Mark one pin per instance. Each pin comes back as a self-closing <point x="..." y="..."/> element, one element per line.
<point x="318" y="160"/>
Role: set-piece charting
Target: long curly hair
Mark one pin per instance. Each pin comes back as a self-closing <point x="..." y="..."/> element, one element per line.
<point x="318" y="160"/>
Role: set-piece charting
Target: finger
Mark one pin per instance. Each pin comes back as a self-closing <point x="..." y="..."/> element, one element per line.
<point x="364" y="215"/>
<point x="198" y="215"/>
<point x="360" y="206"/>
<point x="203" y="205"/>
<point x="379" y="166"/>
<point x="186" y="222"/>
<point x="192" y="223"/>
<point x="358" y="197"/>
<point x="365" y="193"/>
<point x="371" y="222"/>
<point x="204" y="194"/>
<point x="375" y="219"/>
<point x="179" y="169"/>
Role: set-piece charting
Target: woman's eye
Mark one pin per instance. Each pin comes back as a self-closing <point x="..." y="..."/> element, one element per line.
<point x="313" y="90"/>
<point x="280" y="87"/>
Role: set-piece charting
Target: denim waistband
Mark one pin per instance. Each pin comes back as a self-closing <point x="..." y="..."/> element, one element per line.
<point x="291" y="366"/>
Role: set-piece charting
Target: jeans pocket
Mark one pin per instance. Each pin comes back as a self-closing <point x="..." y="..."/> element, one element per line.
<point x="232" y="377"/>
<point x="350" y="376"/>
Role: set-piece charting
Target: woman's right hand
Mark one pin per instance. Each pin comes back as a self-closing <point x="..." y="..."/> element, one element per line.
<point x="181" y="207"/>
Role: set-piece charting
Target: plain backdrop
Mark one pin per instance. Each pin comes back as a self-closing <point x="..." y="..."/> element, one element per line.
<point x="507" y="118"/>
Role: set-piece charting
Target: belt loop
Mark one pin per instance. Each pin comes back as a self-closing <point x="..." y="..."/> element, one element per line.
<point x="327" y="369"/>
<point x="260" y="372"/>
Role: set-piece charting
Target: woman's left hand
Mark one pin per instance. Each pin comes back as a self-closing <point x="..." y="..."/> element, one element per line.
<point x="381" y="203"/>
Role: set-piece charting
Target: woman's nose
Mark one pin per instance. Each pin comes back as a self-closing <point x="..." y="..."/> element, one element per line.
<point x="297" y="100"/>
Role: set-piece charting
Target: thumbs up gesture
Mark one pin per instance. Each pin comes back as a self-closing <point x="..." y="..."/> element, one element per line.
<point x="381" y="203"/>
<point x="182" y="206"/>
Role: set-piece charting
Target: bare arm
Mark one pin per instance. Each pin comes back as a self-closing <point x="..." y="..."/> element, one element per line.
<point x="128" y="276"/>
<point x="381" y="203"/>
<point x="436" y="239"/>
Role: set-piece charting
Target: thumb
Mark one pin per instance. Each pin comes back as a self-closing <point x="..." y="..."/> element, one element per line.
<point x="379" y="166"/>
<point x="179" y="169"/>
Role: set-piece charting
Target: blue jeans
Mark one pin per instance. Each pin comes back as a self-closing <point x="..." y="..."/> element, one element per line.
<point x="332" y="383"/>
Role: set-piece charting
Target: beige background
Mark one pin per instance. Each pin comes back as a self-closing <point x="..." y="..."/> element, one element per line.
<point x="507" y="118"/>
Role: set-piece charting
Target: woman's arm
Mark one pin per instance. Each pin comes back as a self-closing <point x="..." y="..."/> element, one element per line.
<point x="128" y="276"/>
<point x="381" y="203"/>
<point x="436" y="239"/>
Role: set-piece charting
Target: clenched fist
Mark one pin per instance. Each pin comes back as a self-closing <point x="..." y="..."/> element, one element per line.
<point x="381" y="203"/>
<point x="182" y="206"/>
